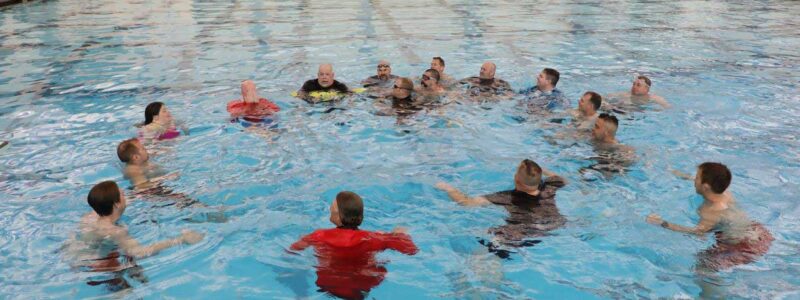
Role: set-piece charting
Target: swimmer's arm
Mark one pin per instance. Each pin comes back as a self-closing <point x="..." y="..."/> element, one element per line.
<point x="705" y="225"/>
<point x="661" y="101"/>
<point x="301" y="244"/>
<point x="302" y="94"/>
<point x="133" y="248"/>
<point x="551" y="176"/>
<point x="460" y="197"/>
<point x="682" y="175"/>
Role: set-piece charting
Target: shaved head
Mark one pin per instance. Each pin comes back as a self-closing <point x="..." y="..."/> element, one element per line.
<point x="326" y="68"/>
<point x="487" y="70"/>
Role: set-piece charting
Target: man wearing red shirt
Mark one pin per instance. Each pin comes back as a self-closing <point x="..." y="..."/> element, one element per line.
<point x="347" y="266"/>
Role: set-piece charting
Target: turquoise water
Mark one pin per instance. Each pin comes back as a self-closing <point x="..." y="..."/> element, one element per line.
<point x="75" y="77"/>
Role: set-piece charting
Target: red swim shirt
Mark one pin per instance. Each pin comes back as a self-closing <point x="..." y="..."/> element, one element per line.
<point x="347" y="267"/>
<point x="262" y="108"/>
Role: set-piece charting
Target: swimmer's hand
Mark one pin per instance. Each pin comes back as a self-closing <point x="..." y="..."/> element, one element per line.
<point x="654" y="219"/>
<point x="444" y="186"/>
<point x="682" y="175"/>
<point x="170" y="176"/>
<point x="400" y="230"/>
<point x="191" y="237"/>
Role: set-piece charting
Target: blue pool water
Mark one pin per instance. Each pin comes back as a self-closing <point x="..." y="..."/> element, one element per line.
<point x="75" y="77"/>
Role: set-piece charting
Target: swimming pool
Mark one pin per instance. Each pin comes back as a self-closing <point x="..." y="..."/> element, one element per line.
<point x="75" y="77"/>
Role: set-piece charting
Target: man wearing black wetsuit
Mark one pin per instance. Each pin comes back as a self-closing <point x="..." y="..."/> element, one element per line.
<point x="323" y="83"/>
<point x="531" y="205"/>
<point x="384" y="78"/>
<point x="485" y="83"/>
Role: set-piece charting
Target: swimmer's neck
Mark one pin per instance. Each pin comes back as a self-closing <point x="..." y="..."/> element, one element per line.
<point x="608" y="141"/>
<point x="588" y="114"/>
<point x="109" y="220"/>
<point x="486" y="81"/>
<point x="534" y="193"/>
<point x="718" y="200"/>
<point x="545" y="89"/>
<point x="140" y="164"/>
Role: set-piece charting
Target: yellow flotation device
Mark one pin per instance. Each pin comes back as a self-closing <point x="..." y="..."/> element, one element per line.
<point x="320" y="96"/>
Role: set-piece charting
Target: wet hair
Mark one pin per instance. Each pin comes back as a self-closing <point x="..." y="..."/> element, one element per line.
<point x="609" y="118"/>
<point x="126" y="149"/>
<point x="103" y="196"/>
<point x="530" y="174"/>
<point x="434" y="73"/>
<point x="595" y="98"/>
<point x="406" y="84"/>
<point x="716" y="175"/>
<point x="441" y="60"/>
<point x="646" y="80"/>
<point x="351" y="209"/>
<point x="552" y="75"/>
<point x="152" y="109"/>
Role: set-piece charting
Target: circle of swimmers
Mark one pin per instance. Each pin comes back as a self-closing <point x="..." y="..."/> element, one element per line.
<point x="347" y="267"/>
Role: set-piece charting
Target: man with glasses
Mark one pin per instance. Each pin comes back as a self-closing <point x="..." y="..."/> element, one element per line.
<point x="486" y="83"/>
<point x="384" y="78"/>
<point x="401" y="98"/>
<point x="430" y="84"/>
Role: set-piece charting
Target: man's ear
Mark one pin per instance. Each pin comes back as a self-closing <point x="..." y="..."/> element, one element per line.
<point x="705" y="188"/>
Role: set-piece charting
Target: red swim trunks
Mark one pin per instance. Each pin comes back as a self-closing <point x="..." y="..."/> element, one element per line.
<point x="723" y="256"/>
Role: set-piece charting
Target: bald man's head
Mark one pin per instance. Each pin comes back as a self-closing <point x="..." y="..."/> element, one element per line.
<point x="325" y="75"/>
<point x="487" y="70"/>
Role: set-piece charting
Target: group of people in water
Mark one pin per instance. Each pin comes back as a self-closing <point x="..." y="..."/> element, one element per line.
<point x="347" y="267"/>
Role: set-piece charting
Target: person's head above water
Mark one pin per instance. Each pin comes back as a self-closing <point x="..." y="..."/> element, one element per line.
<point x="589" y="104"/>
<point x="641" y="86"/>
<point x="325" y="75"/>
<point x="712" y="178"/>
<point x="106" y="199"/>
<point x="438" y="64"/>
<point x="487" y="70"/>
<point x="156" y="112"/>
<point x="249" y="93"/>
<point x="430" y="79"/>
<point x="347" y="210"/>
<point x="528" y="177"/>
<point x="605" y="128"/>
<point x="384" y="69"/>
<point x="131" y="151"/>
<point x="402" y="88"/>
<point x="547" y="79"/>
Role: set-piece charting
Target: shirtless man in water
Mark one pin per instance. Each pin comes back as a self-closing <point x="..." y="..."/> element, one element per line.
<point x="147" y="178"/>
<point x="586" y="115"/>
<point x="137" y="165"/>
<point x="611" y="156"/>
<point x="739" y="239"/>
<point x="89" y="248"/>
<point x="640" y="94"/>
